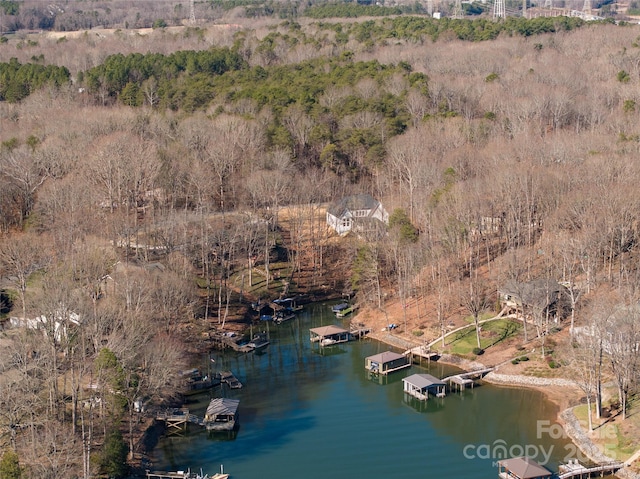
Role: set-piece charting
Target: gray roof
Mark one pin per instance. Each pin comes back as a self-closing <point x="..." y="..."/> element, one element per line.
<point x="219" y="406"/>
<point x="538" y="293"/>
<point x="385" y="357"/>
<point x="353" y="203"/>
<point x="423" y="381"/>
<point x="525" y="468"/>
<point x="328" y="330"/>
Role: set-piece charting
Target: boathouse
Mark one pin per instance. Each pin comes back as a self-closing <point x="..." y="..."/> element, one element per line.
<point x="385" y="363"/>
<point x="222" y="414"/>
<point x="328" y="335"/>
<point x="521" y="468"/>
<point x="420" y="385"/>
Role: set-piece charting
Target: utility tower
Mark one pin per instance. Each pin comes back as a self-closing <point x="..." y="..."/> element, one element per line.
<point x="586" y="8"/>
<point x="192" y="12"/>
<point x="430" y="7"/>
<point x="548" y="3"/>
<point x="457" y="9"/>
<point x="498" y="9"/>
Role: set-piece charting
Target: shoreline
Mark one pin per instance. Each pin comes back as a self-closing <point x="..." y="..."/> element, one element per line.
<point x="554" y="390"/>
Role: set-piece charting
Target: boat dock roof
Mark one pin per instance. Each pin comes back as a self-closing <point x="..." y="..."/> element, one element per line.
<point x="324" y="331"/>
<point x="423" y="380"/>
<point x="522" y="468"/>
<point x="219" y="406"/>
<point x="385" y="357"/>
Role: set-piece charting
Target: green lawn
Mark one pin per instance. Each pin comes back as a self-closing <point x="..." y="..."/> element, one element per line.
<point x="493" y="332"/>
<point x="607" y="435"/>
<point x="279" y="273"/>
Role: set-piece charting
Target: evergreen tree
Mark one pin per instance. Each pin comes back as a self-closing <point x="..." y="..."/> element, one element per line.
<point x="113" y="460"/>
<point x="10" y="466"/>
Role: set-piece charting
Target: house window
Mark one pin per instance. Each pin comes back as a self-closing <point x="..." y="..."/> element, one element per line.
<point x="346" y="223"/>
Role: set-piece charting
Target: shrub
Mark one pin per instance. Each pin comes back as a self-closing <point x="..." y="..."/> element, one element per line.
<point x="515" y="361"/>
<point x="418" y="332"/>
<point x="623" y="76"/>
<point x="478" y="351"/>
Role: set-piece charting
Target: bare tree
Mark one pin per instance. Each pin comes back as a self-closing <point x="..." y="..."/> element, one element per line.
<point x="20" y="257"/>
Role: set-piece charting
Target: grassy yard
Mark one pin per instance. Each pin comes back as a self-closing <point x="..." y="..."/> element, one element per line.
<point x="279" y="273"/>
<point x="463" y="342"/>
<point x="617" y="439"/>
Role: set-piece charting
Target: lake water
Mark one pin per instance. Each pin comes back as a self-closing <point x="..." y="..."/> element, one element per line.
<point x="306" y="413"/>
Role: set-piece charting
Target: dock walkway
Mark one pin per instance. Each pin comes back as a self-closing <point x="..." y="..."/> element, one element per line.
<point x="575" y="469"/>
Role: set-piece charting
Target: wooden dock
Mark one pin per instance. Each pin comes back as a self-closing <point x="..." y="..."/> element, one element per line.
<point x="466" y="379"/>
<point x="221" y="415"/>
<point x="176" y="419"/>
<point x="228" y="378"/>
<point x="184" y="475"/>
<point x="358" y="330"/>
<point x="422" y="352"/>
<point x="575" y="469"/>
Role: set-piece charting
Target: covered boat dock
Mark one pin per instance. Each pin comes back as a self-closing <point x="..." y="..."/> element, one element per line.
<point x="222" y="414"/>
<point x="386" y="362"/>
<point x="328" y="335"/>
<point x="522" y="468"/>
<point x="420" y="385"/>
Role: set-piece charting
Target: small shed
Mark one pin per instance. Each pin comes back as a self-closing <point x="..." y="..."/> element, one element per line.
<point x="222" y="414"/>
<point x="521" y="468"/>
<point x="386" y="362"/>
<point x="327" y="335"/>
<point x="420" y="385"/>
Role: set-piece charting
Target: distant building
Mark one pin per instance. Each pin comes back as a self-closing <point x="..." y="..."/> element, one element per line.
<point x="360" y="213"/>
<point x="59" y="328"/>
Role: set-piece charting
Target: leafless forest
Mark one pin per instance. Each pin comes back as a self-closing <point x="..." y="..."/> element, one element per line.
<point x="128" y="225"/>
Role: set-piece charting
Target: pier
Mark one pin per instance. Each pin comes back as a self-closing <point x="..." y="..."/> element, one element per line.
<point x="176" y="419"/>
<point x="221" y="415"/>
<point x="575" y="469"/>
<point x="465" y="379"/>
<point x="422" y="352"/>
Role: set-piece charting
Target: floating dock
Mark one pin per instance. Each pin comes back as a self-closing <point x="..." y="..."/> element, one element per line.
<point x="228" y="378"/>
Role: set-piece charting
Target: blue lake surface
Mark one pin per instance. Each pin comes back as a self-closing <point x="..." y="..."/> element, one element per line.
<point x="311" y="413"/>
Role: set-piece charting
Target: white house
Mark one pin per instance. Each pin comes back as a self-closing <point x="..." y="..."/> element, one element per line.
<point x="356" y="213"/>
<point x="41" y="323"/>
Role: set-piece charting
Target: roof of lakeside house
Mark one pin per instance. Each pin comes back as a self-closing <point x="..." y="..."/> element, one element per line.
<point x="534" y="293"/>
<point x="352" y="203"/>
